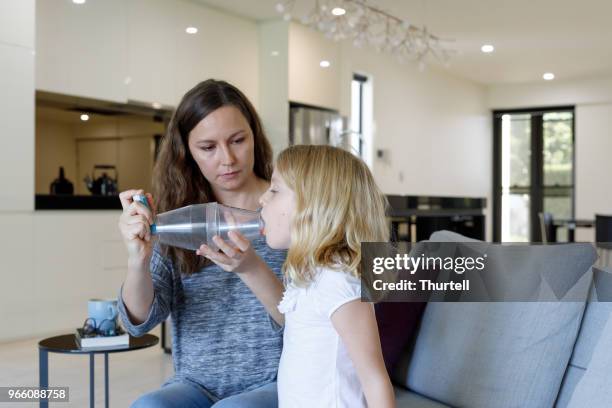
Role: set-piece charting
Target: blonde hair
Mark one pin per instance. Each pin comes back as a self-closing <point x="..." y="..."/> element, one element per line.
<point x="338" y="206"/>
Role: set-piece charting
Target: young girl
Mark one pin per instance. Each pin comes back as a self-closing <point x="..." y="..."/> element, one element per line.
<point x="321" y="204"/>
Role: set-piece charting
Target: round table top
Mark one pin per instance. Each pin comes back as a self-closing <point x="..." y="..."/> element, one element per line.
<point x="67" y="343"/>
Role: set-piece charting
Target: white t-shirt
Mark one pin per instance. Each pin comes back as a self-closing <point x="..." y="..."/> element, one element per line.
<point x="315" y="369"/>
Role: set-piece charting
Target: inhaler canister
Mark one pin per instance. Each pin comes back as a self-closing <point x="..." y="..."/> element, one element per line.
<point x="142" y="199"/>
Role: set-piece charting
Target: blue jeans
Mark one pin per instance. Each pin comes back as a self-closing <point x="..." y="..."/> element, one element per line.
<point x="185" y="395"/>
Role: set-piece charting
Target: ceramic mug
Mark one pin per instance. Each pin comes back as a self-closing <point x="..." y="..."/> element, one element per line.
<point x="103" y="309"/>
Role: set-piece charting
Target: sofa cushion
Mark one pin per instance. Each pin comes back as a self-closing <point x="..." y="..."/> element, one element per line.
<point x="409" y="399"/>
<point x="593" y="332"/>
<point x="494" y="354"/>
<point x="397" y="326"/>
<point x="594" y="390"/>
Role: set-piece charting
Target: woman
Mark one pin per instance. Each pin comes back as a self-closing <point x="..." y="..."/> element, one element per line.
<point x="224" y="345"/>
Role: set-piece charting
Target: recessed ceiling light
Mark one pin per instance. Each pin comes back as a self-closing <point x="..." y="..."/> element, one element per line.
<point x="549" y="76"/>
<point x="275" y="53"/>
<point x="84" y="117"/>
<point x="338" y="11"/>
<point x="191" y="30"/>
<point x="78" y="1"/>
<point x="156" y="105"/>
<point x="487" y="48"/>
<point x="324" y="64"/>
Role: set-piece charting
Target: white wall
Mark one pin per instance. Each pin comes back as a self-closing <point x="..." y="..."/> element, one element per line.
<point x="16" y="163"/>
<point x="593" y="139"/>
<point x="274" y="82"/>
<point x="593" y="160"/>
<point x="54" y="262"/>
<point x="17" y="105"/>
<point x="434" y="128"/>
<point x="553" y="93"/>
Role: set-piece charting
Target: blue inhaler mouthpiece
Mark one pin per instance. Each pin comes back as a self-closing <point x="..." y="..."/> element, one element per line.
<point x="142" y="199"/>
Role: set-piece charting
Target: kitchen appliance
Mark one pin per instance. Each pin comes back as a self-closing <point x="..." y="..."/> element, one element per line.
<point x="103" y="185"/>
<point x="317" y="126"/>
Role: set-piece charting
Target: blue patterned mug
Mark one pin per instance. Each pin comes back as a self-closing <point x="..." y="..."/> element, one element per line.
<point x="100" y="310"/>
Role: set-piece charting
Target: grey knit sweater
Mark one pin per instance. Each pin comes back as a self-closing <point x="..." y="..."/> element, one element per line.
<point x="223" y="341"/>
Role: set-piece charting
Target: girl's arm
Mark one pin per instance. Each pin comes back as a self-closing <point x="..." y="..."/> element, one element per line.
<point x="355" y="322"/>
<point x="266" y="287"/>
<point x="254" y="272"/>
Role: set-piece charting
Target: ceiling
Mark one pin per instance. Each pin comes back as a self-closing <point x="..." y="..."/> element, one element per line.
<point x="571" y="38"/>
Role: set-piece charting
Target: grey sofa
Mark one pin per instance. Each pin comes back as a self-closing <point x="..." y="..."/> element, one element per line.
<point x="511" y="354"/>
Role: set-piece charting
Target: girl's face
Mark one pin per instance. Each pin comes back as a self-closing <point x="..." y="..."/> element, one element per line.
<point x="278" y="208"/>
<point x="222" y="146"/>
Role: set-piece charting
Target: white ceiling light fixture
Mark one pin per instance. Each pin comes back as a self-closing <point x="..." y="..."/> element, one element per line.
<point x="191" y="30"/>
<point x="364" y="23"/>
<point x="78" y="1"/>
<point x="156" y="105"/>
<point x="548" y="76"/>
<point x="84" y="117"/>
<point x="324" y="64"/>
<point x="275" y="53"/>
<point x="487" y="48"/>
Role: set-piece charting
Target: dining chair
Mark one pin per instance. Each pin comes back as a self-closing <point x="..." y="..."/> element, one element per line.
<point x="547" y="229"/>
<point x="603" y="237"/>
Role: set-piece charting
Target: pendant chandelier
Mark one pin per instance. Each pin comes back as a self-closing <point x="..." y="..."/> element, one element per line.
<point x="366" y="24"/>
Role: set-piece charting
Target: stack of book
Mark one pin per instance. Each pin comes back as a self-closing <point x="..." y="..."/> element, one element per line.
<point x="121" y="340"/>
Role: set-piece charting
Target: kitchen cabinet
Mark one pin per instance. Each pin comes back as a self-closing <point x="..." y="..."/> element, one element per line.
<point x="309" y="83"/>
<point x="415" y="218"/>
<point x="138" y="50"/>
<point x="225" y="47"/>
<point x="82" y="49"/>
<point x="151" y="44"/>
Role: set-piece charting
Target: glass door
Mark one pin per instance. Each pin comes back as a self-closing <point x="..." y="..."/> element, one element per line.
<point x="516" y="177"/>
<point x="558" y="167"/>
<point x="533" y="171"/>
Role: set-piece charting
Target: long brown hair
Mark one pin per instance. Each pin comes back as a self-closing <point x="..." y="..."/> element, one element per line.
<point x="177" y="179"/>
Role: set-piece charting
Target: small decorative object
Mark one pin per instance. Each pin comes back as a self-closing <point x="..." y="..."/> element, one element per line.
<point x="106" y="335"/>
<point x="61" y="185"/>
<point x="106" y="328"/>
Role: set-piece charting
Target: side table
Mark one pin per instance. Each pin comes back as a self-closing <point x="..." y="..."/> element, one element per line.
<point x="67" y="344"/>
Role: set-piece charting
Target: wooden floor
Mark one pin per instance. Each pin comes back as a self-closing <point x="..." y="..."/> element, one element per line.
<point x="130" y="374"/>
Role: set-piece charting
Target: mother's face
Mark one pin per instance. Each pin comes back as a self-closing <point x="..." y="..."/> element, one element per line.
<point x="222" y="145"/>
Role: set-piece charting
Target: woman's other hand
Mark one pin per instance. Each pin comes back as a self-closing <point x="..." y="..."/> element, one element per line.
<point x="134" y="225"/>
<point x="237" y="256"/>
<point x="240" y="257"/>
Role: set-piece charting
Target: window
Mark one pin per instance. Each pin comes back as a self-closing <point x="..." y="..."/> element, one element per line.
<point x="533" y="170"/>
<point x="357" y="113"/>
